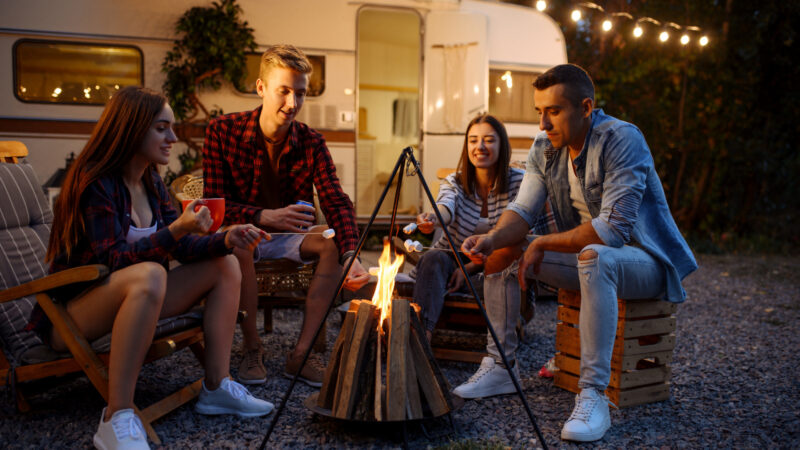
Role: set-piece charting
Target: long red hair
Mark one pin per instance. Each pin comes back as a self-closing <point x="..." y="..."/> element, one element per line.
<point x="115" y="140"/>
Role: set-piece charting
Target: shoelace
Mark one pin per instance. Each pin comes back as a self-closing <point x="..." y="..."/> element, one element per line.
<point x="483" y="370"/>
<point x="128" y="427"/>
<point x="583" y="408"/>
<point x="235" y="389"/>
<point x="252" y="358"/>
<point x="315" y="364"/>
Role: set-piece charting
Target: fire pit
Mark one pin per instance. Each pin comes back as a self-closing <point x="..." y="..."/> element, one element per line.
<point x="382" y="367"/>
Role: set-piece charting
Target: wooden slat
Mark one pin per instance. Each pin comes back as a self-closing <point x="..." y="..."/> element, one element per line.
<point x="365" y="400"/>
<point x="619" y="379"/>
<point x="569" y="298"/>
<point x="647" y="327"/>
<point x="567" y="314"/>
<point x="328" y="389"/>
<point x="396" y="383"/>
<point x="171" y="402"/>
<point x="345" y="403"/>
<point x="414" y="410"/>
<point x="10" y="151"/>
<point x="434" y="395"/>
<point x="348" y="339"/>
<point x="451" y="354"/>
<point x="52" y="281"/>
<point x="435" y="386"/>
<point x="635" y="347"/>
<point x="646" y="308"/>
<point x="378" y="409"/>
<point x="80" y="349"/>
<point x="643" y="377"/>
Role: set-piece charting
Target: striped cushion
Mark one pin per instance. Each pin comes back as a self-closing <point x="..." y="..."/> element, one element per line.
<point x="25" y="219"/>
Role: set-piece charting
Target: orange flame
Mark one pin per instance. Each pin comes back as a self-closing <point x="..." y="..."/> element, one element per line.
<point x="387" y="270"/>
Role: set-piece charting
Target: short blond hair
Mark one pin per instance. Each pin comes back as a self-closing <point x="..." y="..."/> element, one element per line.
<point x="286" y="56"/>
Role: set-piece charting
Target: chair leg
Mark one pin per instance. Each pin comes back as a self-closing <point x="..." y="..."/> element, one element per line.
<point x="199" y="351"/>
<point x="167" y="405"/>
<point x="267" y="319"/>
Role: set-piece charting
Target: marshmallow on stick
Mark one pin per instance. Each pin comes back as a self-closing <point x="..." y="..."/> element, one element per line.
<point x="327" y="234"/>
<point x="412" y="246"/>
<point x="410" y="228"/>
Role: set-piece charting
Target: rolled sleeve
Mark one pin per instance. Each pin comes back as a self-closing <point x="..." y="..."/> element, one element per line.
<point x="532" y="191"/>
<point x="607" y="233"/>
<point x="449" y="192"/>
<point x="627" y="162"/>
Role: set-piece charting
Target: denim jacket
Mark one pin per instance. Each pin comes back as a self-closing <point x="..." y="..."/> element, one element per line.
<point x="622" y="191"/>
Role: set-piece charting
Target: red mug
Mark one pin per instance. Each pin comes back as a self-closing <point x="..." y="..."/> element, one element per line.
<point x="216" y="206"/>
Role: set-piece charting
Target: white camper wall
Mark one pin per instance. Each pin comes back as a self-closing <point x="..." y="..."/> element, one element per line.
<point x="146" y="24"/>
<point x="520" y="38"/>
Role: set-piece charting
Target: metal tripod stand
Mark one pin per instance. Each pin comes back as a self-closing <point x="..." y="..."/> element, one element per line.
<point x="406" y="159"/>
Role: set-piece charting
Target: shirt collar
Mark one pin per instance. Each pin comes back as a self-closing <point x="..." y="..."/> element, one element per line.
<point x="581" y="158"/>
<point x="254" y="135"/>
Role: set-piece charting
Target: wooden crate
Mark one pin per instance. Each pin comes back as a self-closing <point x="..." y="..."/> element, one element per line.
<point x="640" y="371"/>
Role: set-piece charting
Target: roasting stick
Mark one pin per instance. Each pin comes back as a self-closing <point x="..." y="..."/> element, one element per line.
<point x="327" y="234"/>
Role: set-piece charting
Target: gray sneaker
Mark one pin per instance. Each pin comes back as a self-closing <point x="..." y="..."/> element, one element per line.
<point x="490" y="379"/>
<point x="123" y="431"/>
<point x="590" y="419"/>
<point x="231" y="398"/>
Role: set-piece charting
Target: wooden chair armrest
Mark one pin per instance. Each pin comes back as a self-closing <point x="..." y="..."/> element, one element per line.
<point x="58" y="279"/>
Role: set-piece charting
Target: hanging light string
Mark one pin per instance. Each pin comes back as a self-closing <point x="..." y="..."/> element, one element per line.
<point x="667" y="28"/>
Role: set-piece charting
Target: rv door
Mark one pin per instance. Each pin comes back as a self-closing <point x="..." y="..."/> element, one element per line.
<point x="456" y="71"/>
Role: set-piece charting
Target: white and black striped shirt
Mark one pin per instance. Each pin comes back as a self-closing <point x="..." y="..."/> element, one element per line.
<point x="465" y="210"/>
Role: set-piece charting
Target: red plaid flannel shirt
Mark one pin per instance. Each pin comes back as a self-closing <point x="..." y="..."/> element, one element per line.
<point x="234" y="154"/>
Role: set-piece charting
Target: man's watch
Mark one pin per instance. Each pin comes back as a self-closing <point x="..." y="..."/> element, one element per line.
<point x="347" y="255"/>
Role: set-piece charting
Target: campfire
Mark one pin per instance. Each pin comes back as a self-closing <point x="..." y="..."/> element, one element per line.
<point x="382" y="367"/>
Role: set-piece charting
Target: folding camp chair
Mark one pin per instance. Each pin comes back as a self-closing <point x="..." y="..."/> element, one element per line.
<point x="25" y="220"/>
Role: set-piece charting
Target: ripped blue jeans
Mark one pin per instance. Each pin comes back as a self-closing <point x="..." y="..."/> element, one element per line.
<point x="627" y="272"/>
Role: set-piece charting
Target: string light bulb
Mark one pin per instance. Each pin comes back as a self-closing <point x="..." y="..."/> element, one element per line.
<point x="684" y="39"/>
<point x="607" y="25"/>
<point x="576" y="15"/>
<point x="704" y="41"/>
<point x="637" y="32"/>
<point x="663" y="36"/>
<point x="541" y="5"/>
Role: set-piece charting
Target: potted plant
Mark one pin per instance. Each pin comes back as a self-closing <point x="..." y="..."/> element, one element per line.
<point x="211" y="47"/>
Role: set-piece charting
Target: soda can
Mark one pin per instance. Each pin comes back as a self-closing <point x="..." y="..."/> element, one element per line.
<point x="303" y="202"/>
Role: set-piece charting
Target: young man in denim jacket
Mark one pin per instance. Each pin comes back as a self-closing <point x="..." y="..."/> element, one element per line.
<point x="620" y="240"/>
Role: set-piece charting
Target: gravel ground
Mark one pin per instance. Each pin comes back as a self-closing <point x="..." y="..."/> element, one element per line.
<point x="735" y="383"/>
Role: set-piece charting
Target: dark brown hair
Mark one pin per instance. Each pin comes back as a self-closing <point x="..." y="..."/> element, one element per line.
<point x="116" y="138"/>
<point x="466" y="171"/>
<point x="575" y="79"/>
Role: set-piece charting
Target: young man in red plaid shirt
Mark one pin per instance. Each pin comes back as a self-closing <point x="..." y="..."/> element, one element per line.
<point x="263" y="162"/>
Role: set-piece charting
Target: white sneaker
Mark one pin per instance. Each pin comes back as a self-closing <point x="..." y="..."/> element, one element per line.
<point x="490" y="379"/>
<point x="231" y="398"/>
<point x="590" y="419"/>
<point x="123" y="431"/>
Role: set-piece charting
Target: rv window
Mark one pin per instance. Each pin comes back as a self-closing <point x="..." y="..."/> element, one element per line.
<point x="511" y="95"/>
<point x="316" y="85"/>
<point x="71" y="72"/>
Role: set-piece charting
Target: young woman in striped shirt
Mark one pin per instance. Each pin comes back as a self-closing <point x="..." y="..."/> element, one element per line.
<point x="470" y="202"/>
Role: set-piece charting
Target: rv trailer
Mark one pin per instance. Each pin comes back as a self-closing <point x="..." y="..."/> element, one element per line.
<point x="388" y="74"/>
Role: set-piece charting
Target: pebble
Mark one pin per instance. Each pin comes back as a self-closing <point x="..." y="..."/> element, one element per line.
<point x="734" y="383"/>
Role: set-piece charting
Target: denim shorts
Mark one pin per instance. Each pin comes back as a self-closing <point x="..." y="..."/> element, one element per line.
<point x="281" y="246"/>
